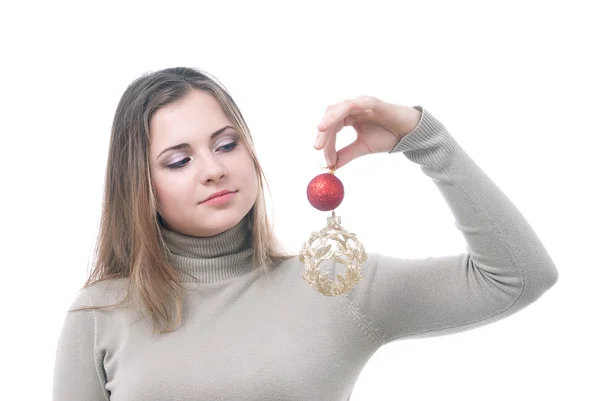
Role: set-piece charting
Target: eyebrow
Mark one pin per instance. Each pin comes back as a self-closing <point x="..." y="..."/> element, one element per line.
<point x="187" y="145"/>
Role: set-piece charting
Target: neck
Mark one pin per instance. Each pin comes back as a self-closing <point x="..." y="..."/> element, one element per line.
<point x="210" y="259"/>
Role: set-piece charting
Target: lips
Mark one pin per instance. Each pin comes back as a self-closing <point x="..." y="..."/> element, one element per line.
<point x="216" y="194"/>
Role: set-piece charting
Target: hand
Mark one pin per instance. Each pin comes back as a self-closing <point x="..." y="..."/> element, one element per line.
<point x="378" y="125"/>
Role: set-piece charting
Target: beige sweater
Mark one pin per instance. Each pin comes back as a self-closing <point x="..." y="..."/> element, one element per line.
<point x="249" y="336"/>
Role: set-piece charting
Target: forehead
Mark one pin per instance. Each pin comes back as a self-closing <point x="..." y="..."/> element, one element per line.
<point x="193" y="117"/>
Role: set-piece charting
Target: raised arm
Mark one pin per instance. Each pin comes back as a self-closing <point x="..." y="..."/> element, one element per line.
<point x="505" y="269"/>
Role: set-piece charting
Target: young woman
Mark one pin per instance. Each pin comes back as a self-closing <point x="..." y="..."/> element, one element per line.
<point x="192" y="297"/>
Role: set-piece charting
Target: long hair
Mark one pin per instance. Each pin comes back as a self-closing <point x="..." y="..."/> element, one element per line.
<point x="129" y="243"/>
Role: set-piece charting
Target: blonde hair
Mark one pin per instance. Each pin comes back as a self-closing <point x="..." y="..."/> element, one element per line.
<point x="129" y="242"/>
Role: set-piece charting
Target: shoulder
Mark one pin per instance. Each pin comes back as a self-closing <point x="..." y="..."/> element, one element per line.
<point x="100" y="293"/>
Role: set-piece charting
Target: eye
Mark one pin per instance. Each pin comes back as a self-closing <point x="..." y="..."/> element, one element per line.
<point x="229" y="147"/>
<point x="226" y="148"/>
<point x="177" y="165"/>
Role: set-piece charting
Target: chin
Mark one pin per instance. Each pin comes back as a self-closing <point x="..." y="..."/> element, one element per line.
<point x="216" y="225"/>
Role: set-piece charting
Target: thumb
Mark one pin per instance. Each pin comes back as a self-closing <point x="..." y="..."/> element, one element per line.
<point x="350" y="152"/>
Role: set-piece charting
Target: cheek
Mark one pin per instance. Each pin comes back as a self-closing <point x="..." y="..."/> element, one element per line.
<point x="170" y="190"/>
<point x="250" y="175"/>
<point x="159" y="193"/>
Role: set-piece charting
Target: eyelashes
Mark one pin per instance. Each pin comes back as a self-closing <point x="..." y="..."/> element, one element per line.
<point x="226" y="148"/>
<point x="177" y="165"/>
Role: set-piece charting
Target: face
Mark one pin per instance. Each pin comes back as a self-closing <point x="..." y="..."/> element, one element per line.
<point x="208" y="158"/>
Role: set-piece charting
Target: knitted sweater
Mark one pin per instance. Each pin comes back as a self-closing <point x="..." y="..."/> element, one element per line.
<point x="250" y="336"/>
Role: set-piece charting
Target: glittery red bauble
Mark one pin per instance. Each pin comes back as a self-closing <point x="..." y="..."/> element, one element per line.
<point x="325" y="192"/>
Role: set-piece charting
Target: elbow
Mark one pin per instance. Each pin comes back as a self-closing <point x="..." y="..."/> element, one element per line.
<point x="552" y="276"/>
<point x="544" y="281"/>
<point x="531" y="286"/>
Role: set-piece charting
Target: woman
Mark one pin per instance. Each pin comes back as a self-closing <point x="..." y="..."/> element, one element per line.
<point x="193" y="298"/>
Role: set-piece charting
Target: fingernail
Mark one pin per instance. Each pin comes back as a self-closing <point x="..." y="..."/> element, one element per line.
<point x="318" y="142"/>
<point x="328" y="160"/>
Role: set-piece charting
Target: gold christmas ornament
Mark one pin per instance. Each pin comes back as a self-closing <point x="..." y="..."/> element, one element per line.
<point x="325" y="192"/>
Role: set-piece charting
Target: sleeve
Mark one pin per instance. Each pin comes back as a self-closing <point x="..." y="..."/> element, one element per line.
<point x="505" y="268"/>
<point x="78" y="370"/>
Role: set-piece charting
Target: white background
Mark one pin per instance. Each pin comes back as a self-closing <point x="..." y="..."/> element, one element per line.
<point x="516" y="83"/>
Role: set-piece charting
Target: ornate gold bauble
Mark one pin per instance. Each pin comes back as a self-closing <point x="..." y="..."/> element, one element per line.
<point x="349" y="252"/>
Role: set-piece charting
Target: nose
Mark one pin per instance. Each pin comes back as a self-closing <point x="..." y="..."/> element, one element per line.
<point x="210" y="169"/>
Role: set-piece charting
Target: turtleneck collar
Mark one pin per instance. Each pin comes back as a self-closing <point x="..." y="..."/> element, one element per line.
<point x="209" y="259"/>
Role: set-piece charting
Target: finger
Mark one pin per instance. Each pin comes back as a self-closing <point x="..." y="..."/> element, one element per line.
<point x="330" y="153"/>
<point x="330" y="137"/>
<point x="323" y="136"/>
<point x="334" y="115"/>
<point x="344" y="109"/>
<point x="329" y="145"/>
<point x="347" y="154"/>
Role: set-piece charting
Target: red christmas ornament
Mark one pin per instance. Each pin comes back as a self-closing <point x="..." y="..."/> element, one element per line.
<point x="325" y="192"/>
